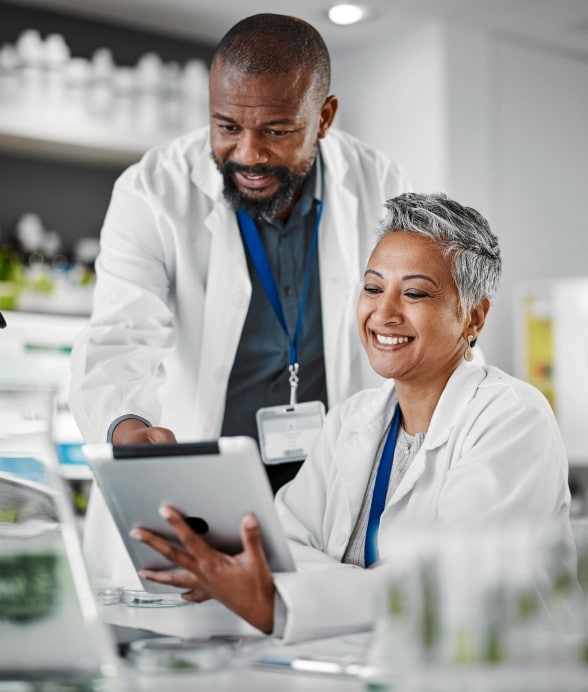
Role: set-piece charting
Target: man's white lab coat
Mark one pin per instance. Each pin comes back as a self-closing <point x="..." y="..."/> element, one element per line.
<point x="173" y="291"/>
<point x="173" y="287"/>
<point x="493" y="455"/>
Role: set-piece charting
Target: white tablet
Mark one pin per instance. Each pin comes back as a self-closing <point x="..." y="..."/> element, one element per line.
<point x="213" y="483"/>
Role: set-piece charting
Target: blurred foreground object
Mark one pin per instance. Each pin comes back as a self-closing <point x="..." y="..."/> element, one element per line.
<point x="49" y="626"/>
<point x="499" y="606"/>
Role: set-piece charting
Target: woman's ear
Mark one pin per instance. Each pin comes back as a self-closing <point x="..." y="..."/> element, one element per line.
<point x="477" y="318"/>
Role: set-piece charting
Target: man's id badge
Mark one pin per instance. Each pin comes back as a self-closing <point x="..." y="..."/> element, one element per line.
<point x="286" y="433"/>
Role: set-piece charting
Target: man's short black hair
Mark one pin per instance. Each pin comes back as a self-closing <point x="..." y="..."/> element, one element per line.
<point x="271" y="44"/>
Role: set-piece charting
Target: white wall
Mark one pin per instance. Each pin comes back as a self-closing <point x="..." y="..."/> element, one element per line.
<point x="539" y="167"/>
<point x="393" y="96"/>
<point x="498" y="124"/>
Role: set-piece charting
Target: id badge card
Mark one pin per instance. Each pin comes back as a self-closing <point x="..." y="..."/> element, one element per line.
<point x="286" y="433"/>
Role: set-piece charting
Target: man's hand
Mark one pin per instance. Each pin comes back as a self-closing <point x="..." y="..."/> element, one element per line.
<point x="132" y="432"/>
<point x="241" y="582"/>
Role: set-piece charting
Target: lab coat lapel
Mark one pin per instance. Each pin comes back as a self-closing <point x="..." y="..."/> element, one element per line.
<point x="228" y="293"/>
<point x="410" y="478"/>
<point x="355" y="458"/>
<point x="340" y="275"/>
<point x="457" y="394"/>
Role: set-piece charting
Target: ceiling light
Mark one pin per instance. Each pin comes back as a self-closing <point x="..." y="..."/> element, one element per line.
<point x="347" y="14"/>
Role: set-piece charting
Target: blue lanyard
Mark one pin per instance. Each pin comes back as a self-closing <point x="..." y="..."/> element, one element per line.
<point x="380" y="491"/>
<point x="261" y="263"/>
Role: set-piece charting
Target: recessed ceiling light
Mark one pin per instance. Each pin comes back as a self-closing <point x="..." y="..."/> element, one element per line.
<point x="347" y="14"/>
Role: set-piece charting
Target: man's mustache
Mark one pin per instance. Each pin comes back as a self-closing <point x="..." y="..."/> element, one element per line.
<point x="230" y="167"/>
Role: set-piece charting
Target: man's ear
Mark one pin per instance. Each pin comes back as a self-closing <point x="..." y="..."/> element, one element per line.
<point x="328" y="112"/>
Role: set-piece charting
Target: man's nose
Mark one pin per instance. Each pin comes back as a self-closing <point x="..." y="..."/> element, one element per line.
<point x="250" y="149"/>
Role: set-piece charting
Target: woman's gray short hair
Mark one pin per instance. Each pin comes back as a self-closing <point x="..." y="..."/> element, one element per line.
<point x="462" y="233"/>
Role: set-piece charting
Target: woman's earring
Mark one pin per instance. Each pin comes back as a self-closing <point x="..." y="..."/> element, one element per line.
<point x="469" y="353"/>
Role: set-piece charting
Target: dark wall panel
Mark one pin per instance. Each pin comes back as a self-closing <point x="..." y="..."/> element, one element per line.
<point x="70" y="199"/>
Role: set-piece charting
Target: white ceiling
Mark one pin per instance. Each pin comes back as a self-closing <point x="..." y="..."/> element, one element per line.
<point x="562" y="23"/>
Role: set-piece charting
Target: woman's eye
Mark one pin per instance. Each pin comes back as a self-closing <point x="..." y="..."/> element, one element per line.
<point x="413" y="293"/>
<point x="369" y="288"/>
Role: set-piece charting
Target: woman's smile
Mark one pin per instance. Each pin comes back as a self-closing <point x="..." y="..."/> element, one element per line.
<point x="389" y="340"/>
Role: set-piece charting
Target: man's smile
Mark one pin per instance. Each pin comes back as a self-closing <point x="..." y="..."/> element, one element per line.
<point x="253" y="181"/>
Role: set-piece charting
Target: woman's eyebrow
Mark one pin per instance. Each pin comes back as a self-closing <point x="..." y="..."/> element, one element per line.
<point x="406" y="277"/>
<point x="373" y="271"/>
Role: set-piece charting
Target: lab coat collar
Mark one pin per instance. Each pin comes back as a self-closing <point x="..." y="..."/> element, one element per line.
<point x="221" y="220"/>
<point x="332" y="158"/>
<point x="459" y="391"/>
<point x="457" y="395"/>
<point x="372" y="420"/>
<point x="205" y="176"/>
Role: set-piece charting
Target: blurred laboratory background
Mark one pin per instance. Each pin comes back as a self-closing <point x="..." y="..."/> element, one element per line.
<point x="486" y="100"/>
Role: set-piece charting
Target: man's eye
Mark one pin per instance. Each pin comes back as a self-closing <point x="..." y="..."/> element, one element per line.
<point x="278" y="133"/>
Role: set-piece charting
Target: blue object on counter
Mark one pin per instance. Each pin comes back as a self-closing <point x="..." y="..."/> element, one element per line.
<point x="24" y="467"/>
<point x="70" y="453"/>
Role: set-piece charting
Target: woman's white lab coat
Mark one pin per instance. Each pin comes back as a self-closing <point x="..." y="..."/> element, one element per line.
<point x="493" y="454"/>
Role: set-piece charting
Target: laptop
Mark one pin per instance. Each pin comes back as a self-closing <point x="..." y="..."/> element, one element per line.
<point x="214" y="483"/>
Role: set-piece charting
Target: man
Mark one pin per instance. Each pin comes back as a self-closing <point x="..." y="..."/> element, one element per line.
<point x="183" y="342"/>
<point x="178" y="305"/>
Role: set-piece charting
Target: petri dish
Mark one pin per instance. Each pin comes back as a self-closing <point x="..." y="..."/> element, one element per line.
<point x="136" y="598"/>
<point x="109" y="595"/>
<point x="175" y="655"/>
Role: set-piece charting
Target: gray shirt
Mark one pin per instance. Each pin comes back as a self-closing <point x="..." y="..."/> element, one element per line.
<point x="259" y="376"/>
<point x="405" y="451"/>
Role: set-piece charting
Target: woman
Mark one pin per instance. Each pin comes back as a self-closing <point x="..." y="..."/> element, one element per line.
<point x="466" y="443"/>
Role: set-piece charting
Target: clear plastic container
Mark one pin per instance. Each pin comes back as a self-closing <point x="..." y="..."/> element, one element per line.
<point x="174" y="655"/>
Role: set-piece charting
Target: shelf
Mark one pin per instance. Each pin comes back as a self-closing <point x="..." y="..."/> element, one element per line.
<point x="74" y="138"/>
<point x="75" y="472"/>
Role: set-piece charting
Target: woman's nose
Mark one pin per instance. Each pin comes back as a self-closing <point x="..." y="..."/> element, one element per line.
<point x="388" y="309"/>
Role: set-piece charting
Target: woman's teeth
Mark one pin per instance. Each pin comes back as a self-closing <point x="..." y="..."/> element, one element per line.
<point x="391" y="340"/>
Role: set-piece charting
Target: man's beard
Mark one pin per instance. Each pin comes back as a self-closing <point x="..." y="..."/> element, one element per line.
<point x="270" y="207"/>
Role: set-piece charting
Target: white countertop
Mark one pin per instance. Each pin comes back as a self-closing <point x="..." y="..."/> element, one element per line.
<point x="210" y="621"/>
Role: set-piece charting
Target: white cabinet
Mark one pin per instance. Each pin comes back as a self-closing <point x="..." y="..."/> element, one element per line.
<point x="26" y="130"/>
<point x="93" y="110"/>
<point x="36" y="129"/>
